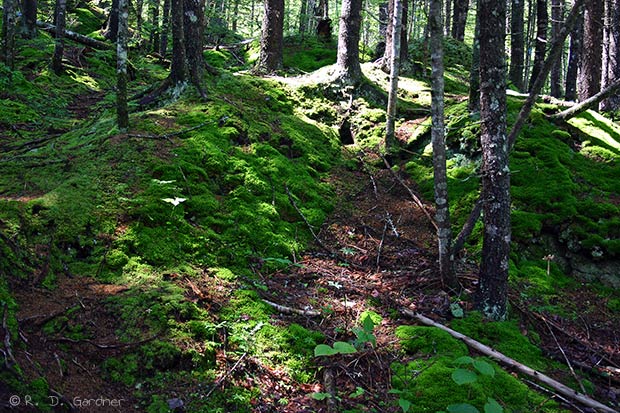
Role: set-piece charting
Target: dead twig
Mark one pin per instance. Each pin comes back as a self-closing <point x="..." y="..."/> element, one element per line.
<point x="105" y="346"/>
<point x="301" y="214"/>
<point x="568" y="363"/>
<point x="381" y="244"/>
<point x="8" y="352"/>
<point x="289" y="310"/>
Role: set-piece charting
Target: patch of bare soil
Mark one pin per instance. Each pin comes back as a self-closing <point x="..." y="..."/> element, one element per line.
<point x="65" y="336"/>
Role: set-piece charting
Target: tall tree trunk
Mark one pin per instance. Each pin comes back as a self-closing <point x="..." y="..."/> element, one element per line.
<point x="122" y="113"/>
<point x="517" y="44"/>
<point x="59" y="48"/>
<point x="459" y="19"/>
<point x="557" y="16"/>
<point x="529" y="41"/>
<point x="473" y="104"/>
<point x="303" y="18"/>
<point x="348" y="68"/>
<point x="270" y="58"/>
<point x="8" y="33"/>
<point x="447" y="16"/>
<point x="194" y="23"/>
<point x="611" y="66"/>
<point x="111" y="30"/>
<point x="390" y="139"/>
<point x="139" y="19"/>
<point x="492" y="294"/>
<point x="574" y="58"/>
<point x="235" y="17"/>
<point x="590" y="70"/>
<point x="542" y="21"/>
<point x="442" y="210"/>
<point x="29" y="19"/>
<point x="178" y="67"/>
<point x="165" y="28"/>
<point x="389" y="38"/>
<point x="154" y="35"/>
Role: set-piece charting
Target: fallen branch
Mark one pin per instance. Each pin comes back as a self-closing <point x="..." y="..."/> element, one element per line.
<point x="588" y="103"/>
<point x="289" y="310"/>
<point x="105" y="346"/>
<point x="417" y="200"/>
<point x="8" y="353"/>
<point x="488" y="351"/>
<point x="80" y="38"/>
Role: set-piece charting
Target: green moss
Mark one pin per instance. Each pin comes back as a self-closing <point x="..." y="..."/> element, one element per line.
<point x="429" y="341"/>
<point x="86" y="21"/>
<point x="13" y="113"/>
<point x="309" y="54"/>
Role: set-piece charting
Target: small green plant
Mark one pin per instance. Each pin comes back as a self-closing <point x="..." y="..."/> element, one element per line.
<point x="467" y="373"/>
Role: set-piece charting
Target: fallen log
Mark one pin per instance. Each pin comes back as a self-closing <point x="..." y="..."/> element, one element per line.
<point x="488" y="351"/>
<point x="80" y="38"/>
<point x="588" y="103"/>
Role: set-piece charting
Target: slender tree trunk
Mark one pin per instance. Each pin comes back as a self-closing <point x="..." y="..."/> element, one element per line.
<point x="517" y="44"/>
<point x="178" y="67"/>
<point x="59" y="49"/>
<point x="459" y="19"/>
<point x="404" y="41"/>
<point x="165" y="28"/>
<point x="8" y="33"/>
<point x="447" y="16"/>
<point x="390" y="139"/>
<point x="111" y="30"/>
<point x="29" y="19"/>
<point x="348" y="68"/>
<point x="473" y="104"/>
<point x="154" y="38"/>
<point x="389" y="38"/>
<point x="193" y="23"/>
<point x="542" y="20"/>
<point x="492" y="292"/>
<point x="270" y="59"/>
<point x="139" y="19"/>
<point x="122" y="113"/>
<point x="442" y="210"/>
<point x="303" y="18"/>
<point x="235" y="17"/>
<point x="557" y="16"/>
<point x="529" y="41"/>
<point x="574" y="58"/>
<point x="589" y="78"/>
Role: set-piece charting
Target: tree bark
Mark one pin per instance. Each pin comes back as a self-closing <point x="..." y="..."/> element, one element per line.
<point x="448" y="17"/>
<point x="139" y="18"/>
<point x="193" y="24"/>
<point x="542" y="20"/>
<point x="348" y="69"/>
<point x="473" y="105"/>
<point x="492" y="294"/>
<point x="29" y="19"/>
<point x="59" y="48"/>
<point x="165" y="28"/>
<point x="154" y="37"/>
<point x="611" y="66"/>
<point x="517" y="44"/>
<point x="459" y="19"/>
<point x="270" y="59"/>
<point x="442" y="210"/>
<point x="389" y="37"/>
<point x="122" y="113"/>
<point x="178" y="68"/>
<point x="390" y="139"/>
<point x="557" y="16"/>
<point x="589" y="77"/>
<point x="111" y="30"/>
<point x="8" y="33"/>
<point x="574" y="57"/>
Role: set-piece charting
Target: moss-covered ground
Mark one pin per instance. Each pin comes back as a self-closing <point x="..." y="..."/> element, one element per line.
<point x="137" y="265"/>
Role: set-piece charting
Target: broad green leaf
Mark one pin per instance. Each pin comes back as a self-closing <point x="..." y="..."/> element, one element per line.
<point x="492" y="406"/>
<point x="462" y="408"/>
<point x="368" y="324"/>
<point x="344" y="348"/>
<point x="404" y="404"/>
<point x="484" y="368"/>
<point x="324" y="350"/>
<point x="462" y="376"/>
<point x="464" y="360"/>
<point x="320" y="396"/>
<point x="358" y="392"/>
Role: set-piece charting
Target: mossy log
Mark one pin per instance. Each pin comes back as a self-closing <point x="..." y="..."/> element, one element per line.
<point x="488" y="351"/>
<point x="588" y="103"/>
<point x="80" y="38"/>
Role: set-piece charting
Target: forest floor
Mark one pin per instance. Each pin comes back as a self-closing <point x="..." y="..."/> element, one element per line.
<point x="375" y="253"/>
